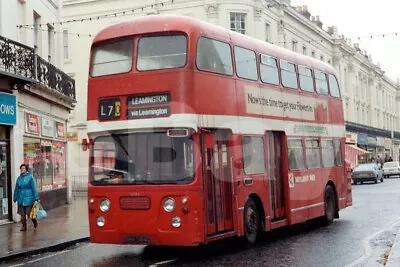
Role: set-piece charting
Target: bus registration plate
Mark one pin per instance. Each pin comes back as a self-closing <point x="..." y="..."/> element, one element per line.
<point x="135" y="239"/>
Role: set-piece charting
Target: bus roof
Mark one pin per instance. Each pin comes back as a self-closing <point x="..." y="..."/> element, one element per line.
<point x="165" y="23"/>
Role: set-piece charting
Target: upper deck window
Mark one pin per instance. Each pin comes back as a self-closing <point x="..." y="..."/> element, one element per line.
<point x="112" y="58"/>
<point x="334" y="86"/>
<point x="306" y="79"/>
<point x="162" y="52"/>
<point x="269" y="70"/>
<point x="321" y="82"/>
<point x="289" y="76"/>
<point x="246" y="65"/>
<point x="214" y="56"/>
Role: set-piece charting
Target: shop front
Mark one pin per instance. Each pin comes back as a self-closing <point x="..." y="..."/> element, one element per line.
<point x="44" y="151"/>
<point x="8" y="119"/>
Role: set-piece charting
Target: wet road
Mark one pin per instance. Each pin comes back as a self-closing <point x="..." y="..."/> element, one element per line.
<point x="361" y="237"/>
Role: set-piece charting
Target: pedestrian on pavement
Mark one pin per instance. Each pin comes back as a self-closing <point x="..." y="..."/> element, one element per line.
<point x="25" y="194"/>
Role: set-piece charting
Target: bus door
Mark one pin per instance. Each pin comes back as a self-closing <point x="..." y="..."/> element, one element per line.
<point x="217" y="182"/>
<point x="274" y="152"/>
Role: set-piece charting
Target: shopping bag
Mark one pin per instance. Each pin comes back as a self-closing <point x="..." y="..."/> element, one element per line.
<point x="41" y="213"/>
<point x="34" y="210"/>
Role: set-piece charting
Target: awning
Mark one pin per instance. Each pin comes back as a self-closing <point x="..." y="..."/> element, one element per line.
<point x="359" y="150"/>
<point x="352" y="152"/>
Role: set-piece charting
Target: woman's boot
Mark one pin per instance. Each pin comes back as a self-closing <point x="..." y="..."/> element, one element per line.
<point x="34" y="223"/>
<point x="23" y="221"/>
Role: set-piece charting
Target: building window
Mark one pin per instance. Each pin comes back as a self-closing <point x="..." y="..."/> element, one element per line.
<point x="322" y="58"/>
<point x="50" y="42"/>
<point x="294" y="46"/>
<point x="253" y="155"/>
<point x="238" y="22"/>
<point x="304" y="50"/>
<point x="37" y="32"/>
<point x="65" y="44"/>
<point x="267" y="32"/>
<point x="313" y="54"/>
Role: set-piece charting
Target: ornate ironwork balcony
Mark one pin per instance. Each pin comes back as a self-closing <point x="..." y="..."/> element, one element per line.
<point x="20" y="61"/>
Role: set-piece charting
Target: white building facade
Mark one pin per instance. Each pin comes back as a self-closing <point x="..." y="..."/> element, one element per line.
<point x="36" y="98"/>
<point x="369" y="96"/>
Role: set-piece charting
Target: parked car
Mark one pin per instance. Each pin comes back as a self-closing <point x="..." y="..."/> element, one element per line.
<point x="391" y="168"/>
<point x="366" y="173"/>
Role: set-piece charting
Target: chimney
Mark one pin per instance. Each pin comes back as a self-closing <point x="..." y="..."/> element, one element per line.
<point x="357" y="47"/>
<point x="303" y="10"/>
<point x="333" y="31"/>
<point x="318" y="22"/>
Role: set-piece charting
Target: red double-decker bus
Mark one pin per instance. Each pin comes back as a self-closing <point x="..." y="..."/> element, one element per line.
<point x="197" y="133"/>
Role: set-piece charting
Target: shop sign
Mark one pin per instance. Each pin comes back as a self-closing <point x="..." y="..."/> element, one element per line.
<point x="8" y="109"/>
<point x="60" y="130"/>
<point x="362" y="139"/>
<point x="388" y="142"/>
<point x="379" y="141"/>
<point x="351" y="138"/>
<point x="47" y="127"/>
<point x="32" y="124"/>
<point x="72" y="136"/>
<point x="371" y="141"/>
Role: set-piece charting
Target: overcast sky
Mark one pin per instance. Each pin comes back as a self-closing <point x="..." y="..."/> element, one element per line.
<point x="360" y="18"/>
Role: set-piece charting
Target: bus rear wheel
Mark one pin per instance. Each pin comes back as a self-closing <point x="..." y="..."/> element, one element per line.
<point x="252" y="222"/>
<point x="329" y="205"/>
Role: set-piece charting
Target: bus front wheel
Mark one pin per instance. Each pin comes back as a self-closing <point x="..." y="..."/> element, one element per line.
<point x="252" y="222"/>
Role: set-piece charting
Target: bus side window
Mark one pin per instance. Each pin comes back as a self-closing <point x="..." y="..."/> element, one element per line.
<point x="338" y="153"/>
<point x="334" y="86"/>
<point x="321" y="82"/>
<point x="214" y="56"/>
<point x="253" y="154"/>
<point x="313" y="155"/>
<point x="289" y="75"/>
<point x="296" y="154"/>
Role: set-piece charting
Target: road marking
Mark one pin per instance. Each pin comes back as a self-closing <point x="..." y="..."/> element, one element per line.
<point x="162" y="263"/>
<point x="367" y="245"/>
<point x="40" y="259"/>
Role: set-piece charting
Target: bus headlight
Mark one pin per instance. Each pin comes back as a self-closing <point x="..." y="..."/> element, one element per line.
<point x="169" y="205"/>
<point x="100" y="221"/>
<point x="105" y="205"/>
<point x="176" y="222"/>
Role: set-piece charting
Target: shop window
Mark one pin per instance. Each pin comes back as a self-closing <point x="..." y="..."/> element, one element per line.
<point x="46" y="161"/>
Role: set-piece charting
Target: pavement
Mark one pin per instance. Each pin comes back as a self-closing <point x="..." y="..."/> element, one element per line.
<point x="64" y="226"/>
<point x="394" y="255"/>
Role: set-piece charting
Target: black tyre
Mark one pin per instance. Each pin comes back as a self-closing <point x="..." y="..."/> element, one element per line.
<point x="251" y="222"/>
<point x="376" y="180"/>
<point x="381" y="179"/>
<point x="330" y="206"/>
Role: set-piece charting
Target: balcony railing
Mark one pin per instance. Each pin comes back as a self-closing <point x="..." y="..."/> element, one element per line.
<point x="20" y="61"/>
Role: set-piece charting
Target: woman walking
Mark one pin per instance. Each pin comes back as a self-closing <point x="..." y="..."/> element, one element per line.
<point x="25" y="194"/>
